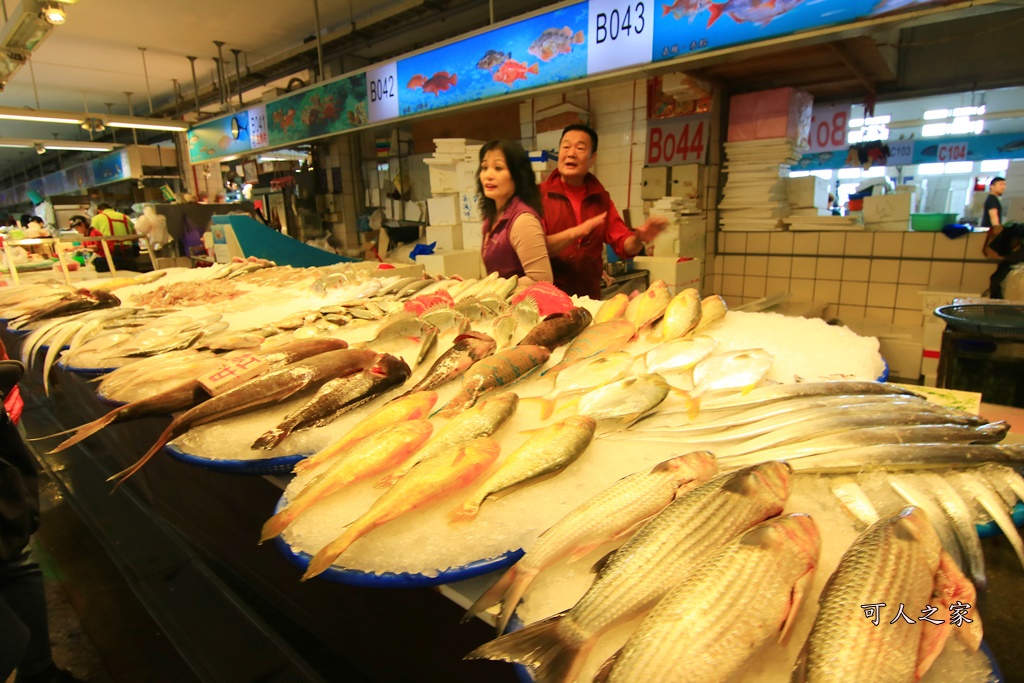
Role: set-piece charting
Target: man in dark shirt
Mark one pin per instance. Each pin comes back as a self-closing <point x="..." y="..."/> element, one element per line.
<point x="992" y="216"/>
<point x="1003" y="242"/>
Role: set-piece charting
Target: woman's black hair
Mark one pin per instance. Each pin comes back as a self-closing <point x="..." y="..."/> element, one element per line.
<point x="518" y="162"/>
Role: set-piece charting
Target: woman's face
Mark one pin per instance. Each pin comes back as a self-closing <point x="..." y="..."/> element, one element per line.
<point x="496" y="179"/>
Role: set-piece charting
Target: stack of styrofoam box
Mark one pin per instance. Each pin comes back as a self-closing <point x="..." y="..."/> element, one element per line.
<point x="452" y="171"/>
<point x="934" y="326"/>
<point x="754" y="196"/>
<point x="677" y="273"/>
<point x="543" y="163"/>
<point x="685" y="234"/>
<point x="888" y="212"/>
<point x="807" y="196"/>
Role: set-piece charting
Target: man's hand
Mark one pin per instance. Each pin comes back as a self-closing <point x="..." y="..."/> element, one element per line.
<point x="588" y="226"/>
<point x="651" y="229"/>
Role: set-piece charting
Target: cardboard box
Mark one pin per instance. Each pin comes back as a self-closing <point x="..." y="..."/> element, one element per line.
<point x="887" y="208"/>
<point x="678" y="274"/>
<point x="465" y="263"/>
<point x="469" y="207"/>
<point x="807" y="192"/>
<point x="444" y="210"/>
<point x="446" y="237"/>
<point x="654" y="182"/>
<point x="472" y="235"/>
<point x="442" y="177"/>
<point x="888" y="226"/>
<point x="778" y="113"/>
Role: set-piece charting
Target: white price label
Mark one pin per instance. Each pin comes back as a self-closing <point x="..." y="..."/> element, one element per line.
<point x="382" y="92"/>
<point x="620" y="34"/>
<point x="901" y="153"/>
<point x="258" y="127"/>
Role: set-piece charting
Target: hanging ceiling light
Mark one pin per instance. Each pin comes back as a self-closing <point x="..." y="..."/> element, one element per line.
<point x="94" y="125"/>
<point x="53" y="14"/>
<point x="40" y="148"/>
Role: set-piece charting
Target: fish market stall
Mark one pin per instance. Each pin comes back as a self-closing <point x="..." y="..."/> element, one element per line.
<point x="438" y="428"/>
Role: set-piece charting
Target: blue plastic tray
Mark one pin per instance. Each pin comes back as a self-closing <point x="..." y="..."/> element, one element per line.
<point x="884" y="377"/>
<point x="356" y="577"/>
<point x="992" y="529"/>
<point x="279" y="465"/>
<point x="85" y="372"/>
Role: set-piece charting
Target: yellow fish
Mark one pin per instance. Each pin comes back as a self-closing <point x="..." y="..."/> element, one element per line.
<point x="681" y="317"/>
<point x="612" y="308"/>
<point x="650" y="305"/>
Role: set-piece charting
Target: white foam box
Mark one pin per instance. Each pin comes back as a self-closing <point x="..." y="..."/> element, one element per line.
<point x="444" y="210"/>
<point x="472" y="235"/>
<point x="902" y="355"/>
<point x="465" y="263"/>
<point x="677" y="273"/>
<point x="445" y="237"/>
<point x="442" y="177"/>
<point x="465" y="175"/>
<point x="807" y="192"/>
<point x="887" y="208"/>
<point x="888" y="226"/>
<point x="469" y="207"/>
<point x="654" y="182"/>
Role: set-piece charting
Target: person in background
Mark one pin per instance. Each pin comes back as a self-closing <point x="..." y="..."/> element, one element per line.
<point x="80" y="224"/>
<point x="109" y="222"/>
<point x="992" y="215"/>
<point x="24" y="627"/>
<point x="580" y="217"/>
<point x="1003" y="241"/>
<point x="513" y="235"/>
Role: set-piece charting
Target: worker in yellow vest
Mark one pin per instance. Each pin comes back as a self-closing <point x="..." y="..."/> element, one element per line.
<point x="107" y="221"/>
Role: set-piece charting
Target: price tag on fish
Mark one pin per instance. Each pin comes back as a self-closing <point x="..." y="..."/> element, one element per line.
<point x="230" y="375"/>
<point x="382" y="92"/>
<point x="620" y="33"/>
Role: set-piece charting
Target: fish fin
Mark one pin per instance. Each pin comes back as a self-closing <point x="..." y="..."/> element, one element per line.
<point x="800" y="591"/>
<point x="85" y="431"/>
<point x="579" y="38"/>
<point x="466" y="512"/>
<point x="799" y="674"/>
<point x="665" y="9"/>
<point x="270" y="439"/>
<point x="599" y="566"/>
<point x="571" y="403"/>
<point x="542" y="647"/>
<point x="454" y="79"/>
<point x="952" y="586"/>
<point x="276" y="525"/>
<point x="534" y="68"/>
<point x="581" y="551"/>
<point x="491" y="596"/>
<point x="605" y="671"/>
<point x="547" y="405"/>
<point x="692" y="406"/>
<point x="933" y="639"/>
<point x="716" y="11"/>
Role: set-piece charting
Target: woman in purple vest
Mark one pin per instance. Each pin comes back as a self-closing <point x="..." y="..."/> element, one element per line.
<point x="513" y="236"/>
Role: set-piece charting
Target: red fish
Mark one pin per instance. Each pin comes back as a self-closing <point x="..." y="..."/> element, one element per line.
<point x="758" y="11"/>
<point x="416" y="81"/>
<point x="419" y="305"/>
<point x="690" y="8"/>
<point x="440" y="82"/>
<point x="550" y="299"/>
<point x="511" y="71"/>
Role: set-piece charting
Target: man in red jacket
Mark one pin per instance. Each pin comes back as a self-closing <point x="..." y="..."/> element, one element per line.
<point x="580" y="217"/>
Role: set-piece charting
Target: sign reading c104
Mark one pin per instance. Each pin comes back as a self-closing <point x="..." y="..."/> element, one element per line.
<point x="620" y="33"/>
<point x="382" y="92"/>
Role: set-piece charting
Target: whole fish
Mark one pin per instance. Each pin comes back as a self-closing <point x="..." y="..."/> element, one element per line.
<point x="475" y="288"/>
<point x="585" y="376"/>
<point x="118" y="282"/>
<point x="678" y="355"/>
<point x="681" y="317"/>
<point x="628" y="398"/>
<point x="897" y="561"/>
<point x="553" y="42"/>
<point x="432" y="480"/>
<point x="503" y="368"/>
<point x="467" y="350"/>
<point x="558" y="329"/>
<point x="612" y="308"/>
<point x="713" y="622"/>
<point x="338" y="396"/>
<point x="911" y="456"/>
<point x="413" y="406"/>
<point x="504" y="329"/>
<point x="729" y="371"/>
<point x="446" y="319"/>
<point x="758" y="11"/>
<point x="81" y="300"/>
<point x="526" y="312"/>
<point x="782" y="392"/>
<point x="544" y="454"/>
<point x="650" y="305"/>
<point x="381" y="451"/>
<point x="272" y="387"/>
<point x="660" y="555"/>
<point x="404" y="329"/>
<point x="609" y="336"/>
<point x="712" y="309"/>
<point x="610" y="515"/>
<point x="481" y="420"/>
<point x="189" y="392"/>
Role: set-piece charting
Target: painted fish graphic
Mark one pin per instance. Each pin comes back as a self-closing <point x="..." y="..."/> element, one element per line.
<point x="758" y="11"/>
<point x="440" y="82"/>
<point x="416" y="82"/>
<point x="492" y="58"/>
<point x="553" y="42"/>
<point x="1013" y="146"/>
<point x="511" y="71"/>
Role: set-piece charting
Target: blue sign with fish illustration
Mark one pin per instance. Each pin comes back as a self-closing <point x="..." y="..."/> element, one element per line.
<point x="219" y="138"/>
<point x="682" y="27"/>
<point x="541" y="50"/>
<point x="332" y="107"/>
<point x="111" y="168"/>
<point x="928" y="151"/>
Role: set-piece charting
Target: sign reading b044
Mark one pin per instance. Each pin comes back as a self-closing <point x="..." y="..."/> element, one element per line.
<point x="677" y="141"/>
<point x="620" y="33"/>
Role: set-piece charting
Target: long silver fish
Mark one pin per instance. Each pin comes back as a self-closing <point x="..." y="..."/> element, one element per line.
<point x="664" y="552"/>
<point x="543" y="455"/>
<point x="781" y="392"/>
<point x="608" y="516"/>
<point x="713" y="622"/>
<point x="911" y="456"/>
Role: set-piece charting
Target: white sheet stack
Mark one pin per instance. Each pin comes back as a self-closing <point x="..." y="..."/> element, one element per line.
<point x="453" y="209"/>
<point x="754" y="196"/>
<point x="686" y="233"/>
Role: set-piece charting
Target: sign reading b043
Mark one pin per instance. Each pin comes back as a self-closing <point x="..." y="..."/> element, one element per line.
<point x="677" y="141"/>
<point x="382" y="92"/>
<point x="620" y="33"/>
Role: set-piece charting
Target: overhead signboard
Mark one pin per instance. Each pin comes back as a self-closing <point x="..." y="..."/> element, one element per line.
<point x="928" y="151"/>
<point x="570" y="43"/>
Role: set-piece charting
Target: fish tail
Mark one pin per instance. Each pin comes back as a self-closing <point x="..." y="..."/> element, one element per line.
<point x="665" y="9"/>
<point x="88" y="429"/>
<point x="692" y="405"/>
<point x="492" y="596"/>
<point x="276" y="525"/>
<point x="465" y="512"/>
<point x="123" y="476"/>
<point x="547" y="405"/>
<point x="513" y="594"/>
<point x="534" y="68"/>
<point x="542" y="647"/>
<point x="330" y="552"/>
<point x="270" y="439"/>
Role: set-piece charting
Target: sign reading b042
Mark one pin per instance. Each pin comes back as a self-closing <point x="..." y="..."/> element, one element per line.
<point x="677" y="141"/>
<point x="382" y="92"/>
<point x="620" y="33"/>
